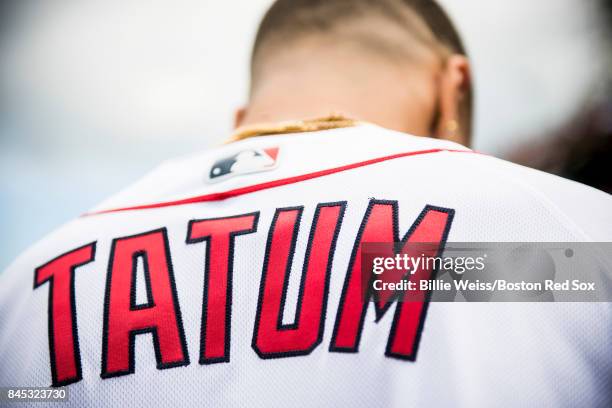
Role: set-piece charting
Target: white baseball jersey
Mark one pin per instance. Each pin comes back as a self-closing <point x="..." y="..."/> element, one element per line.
<point x="230" y="278"/>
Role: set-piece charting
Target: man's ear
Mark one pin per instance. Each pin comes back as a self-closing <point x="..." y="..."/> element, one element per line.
<point x="453" y="89"/>
<point x="239" y="116"/>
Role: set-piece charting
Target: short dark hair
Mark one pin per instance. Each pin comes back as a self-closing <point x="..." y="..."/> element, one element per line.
<point x="289" y="20"/>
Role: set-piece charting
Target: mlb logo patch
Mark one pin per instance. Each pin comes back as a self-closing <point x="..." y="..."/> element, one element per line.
<point x="245" y="162"/>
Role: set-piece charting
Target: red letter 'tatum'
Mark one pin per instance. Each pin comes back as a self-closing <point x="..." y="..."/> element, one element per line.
<point x="124" y="319"/>
<point x="63" y="335"/>
<point x="380" y="224"/>
<point x="219" y="233"/>
<point x="272" y="338"/>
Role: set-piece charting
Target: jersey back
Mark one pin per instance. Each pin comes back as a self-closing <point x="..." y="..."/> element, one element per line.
<point x="232" y="278"/>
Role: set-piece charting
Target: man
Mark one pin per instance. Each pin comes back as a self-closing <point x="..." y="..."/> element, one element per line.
<point x="232" y="277"/>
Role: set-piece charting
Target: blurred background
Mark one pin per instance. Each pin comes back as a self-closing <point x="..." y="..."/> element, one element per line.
<point x="95" y="93"/>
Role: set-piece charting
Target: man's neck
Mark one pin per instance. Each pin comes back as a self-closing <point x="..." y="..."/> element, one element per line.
<point x="287" y="108"/>
<point x="362" y="94"/>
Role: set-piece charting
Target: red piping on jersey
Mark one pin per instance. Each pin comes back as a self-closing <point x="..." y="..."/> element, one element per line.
<point x="222" y="195"/>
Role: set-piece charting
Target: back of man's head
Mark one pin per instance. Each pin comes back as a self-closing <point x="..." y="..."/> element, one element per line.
<point x="386" y="34"/>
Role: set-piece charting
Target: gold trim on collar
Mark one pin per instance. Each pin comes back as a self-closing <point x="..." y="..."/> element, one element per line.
<point x="296" y="126"/>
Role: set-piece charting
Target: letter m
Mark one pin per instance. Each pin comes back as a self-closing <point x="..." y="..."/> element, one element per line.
<point x="380" y="225"/>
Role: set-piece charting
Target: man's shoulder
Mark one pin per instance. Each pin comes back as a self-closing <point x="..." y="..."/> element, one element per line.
<point x="271" y="158"/>
<point x="382" y="154"/>
<point x="586" y="208"/>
